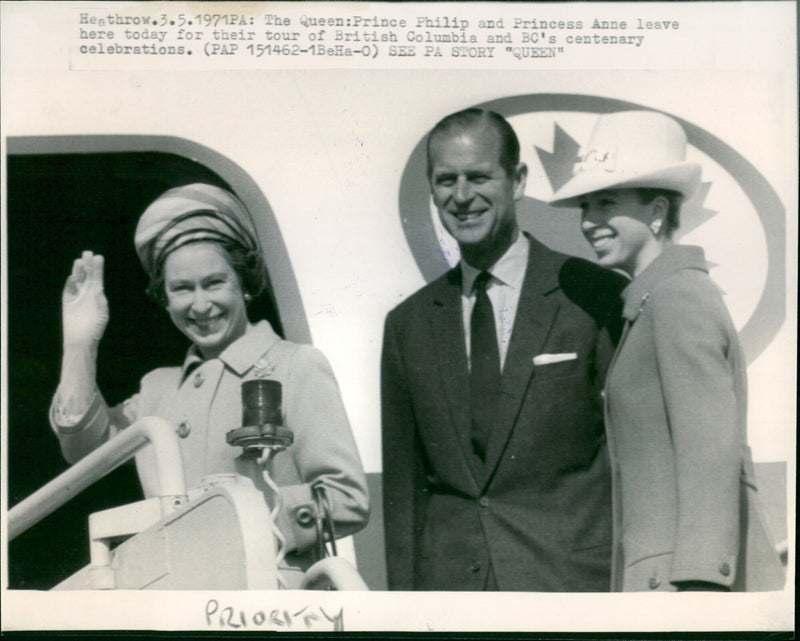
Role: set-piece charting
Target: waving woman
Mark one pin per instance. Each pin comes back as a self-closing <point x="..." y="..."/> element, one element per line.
<point x="199" y="248"/>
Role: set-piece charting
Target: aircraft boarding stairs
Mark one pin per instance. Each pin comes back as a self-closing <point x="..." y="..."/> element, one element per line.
<point x="216" y="536"/>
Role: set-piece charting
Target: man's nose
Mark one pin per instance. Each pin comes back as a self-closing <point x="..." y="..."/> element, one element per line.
<point x="463" y="191"/>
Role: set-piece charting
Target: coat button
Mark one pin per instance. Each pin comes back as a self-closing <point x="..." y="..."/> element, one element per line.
<point x="304" y="516"/>
<point x="184" y="429"/>
<point x="198" y="379"/>
<point x="475" y="567"/>
<point x="483" y="501"/>
<point x="653" y="583"/>
<point x="724" y="569"/>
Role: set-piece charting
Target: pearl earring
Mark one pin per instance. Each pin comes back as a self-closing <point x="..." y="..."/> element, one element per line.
<point x="655" y="227"/>
<point x="248" y="297"/>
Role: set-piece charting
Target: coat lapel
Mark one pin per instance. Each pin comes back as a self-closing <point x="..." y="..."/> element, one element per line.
<point x="536" y="314"/>
<point x="448" y="331"/>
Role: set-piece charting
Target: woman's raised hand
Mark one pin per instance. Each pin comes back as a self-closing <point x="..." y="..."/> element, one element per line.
<point x="84" y="304"/>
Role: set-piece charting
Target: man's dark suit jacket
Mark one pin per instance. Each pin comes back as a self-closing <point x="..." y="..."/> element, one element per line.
<point x="539" y="508"/>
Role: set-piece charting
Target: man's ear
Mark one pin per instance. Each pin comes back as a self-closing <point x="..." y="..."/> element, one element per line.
<point x="520" y="176"/>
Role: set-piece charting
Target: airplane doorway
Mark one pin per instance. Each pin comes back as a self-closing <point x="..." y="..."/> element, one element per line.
<point x="59" y="204"/>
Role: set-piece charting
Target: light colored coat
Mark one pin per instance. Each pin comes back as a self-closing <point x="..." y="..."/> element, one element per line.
<point x="203" y="399"/>
<point x="683" y="490"/>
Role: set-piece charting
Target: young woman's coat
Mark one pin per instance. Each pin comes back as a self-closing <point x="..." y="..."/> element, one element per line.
<point x="683" y="485"/>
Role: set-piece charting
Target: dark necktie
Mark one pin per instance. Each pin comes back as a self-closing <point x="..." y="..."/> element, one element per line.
<point x="485" y="371"/>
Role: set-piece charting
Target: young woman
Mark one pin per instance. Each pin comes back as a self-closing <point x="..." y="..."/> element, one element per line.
<point x="200" y="249"/>
<point x="685" y="514"/>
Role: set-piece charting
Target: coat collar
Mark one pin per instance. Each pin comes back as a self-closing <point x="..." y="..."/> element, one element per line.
<point x="672" y="260"/>
<point x="447" y="331"/>
<point x="240" y="355"/>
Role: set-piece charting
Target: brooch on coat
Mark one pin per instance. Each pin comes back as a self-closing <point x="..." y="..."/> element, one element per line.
<point x="263" y="367"/>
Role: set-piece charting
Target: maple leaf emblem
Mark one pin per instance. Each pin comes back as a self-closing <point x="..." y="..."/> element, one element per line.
<point x="558" y="164"/>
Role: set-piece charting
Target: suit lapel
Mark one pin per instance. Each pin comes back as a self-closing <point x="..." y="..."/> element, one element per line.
<point x="448" y="331"/>
<point x="536" y="314"/>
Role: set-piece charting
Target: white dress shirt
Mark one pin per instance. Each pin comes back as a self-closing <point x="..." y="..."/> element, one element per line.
<point x="503" y="289"/>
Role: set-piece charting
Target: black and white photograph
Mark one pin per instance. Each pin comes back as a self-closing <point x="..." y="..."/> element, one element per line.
<point x="401" y="317"/>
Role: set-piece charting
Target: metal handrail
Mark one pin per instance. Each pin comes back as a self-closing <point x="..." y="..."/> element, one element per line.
<point x="105" y="459"/>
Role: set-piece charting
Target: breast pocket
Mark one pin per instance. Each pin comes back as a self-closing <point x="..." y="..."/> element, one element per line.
<point x="547" y="371"/>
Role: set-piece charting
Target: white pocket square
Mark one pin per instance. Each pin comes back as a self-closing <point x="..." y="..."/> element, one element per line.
<point x="547" y="359"/>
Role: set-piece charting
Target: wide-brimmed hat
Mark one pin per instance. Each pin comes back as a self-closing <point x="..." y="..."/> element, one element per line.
<point x="631" y="149"/>
<point x="188" y="214"/>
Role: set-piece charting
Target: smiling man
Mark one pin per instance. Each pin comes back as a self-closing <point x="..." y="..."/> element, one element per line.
<point x="496" y="475"/>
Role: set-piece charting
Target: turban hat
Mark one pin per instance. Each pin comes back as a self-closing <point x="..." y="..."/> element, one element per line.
<point x="188" y="214"/>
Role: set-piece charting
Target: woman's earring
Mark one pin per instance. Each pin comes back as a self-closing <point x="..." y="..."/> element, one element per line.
<point x="655" y="227"/>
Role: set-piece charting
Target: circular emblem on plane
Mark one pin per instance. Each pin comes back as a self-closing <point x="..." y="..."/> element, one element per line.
<point x="736" y="216"/>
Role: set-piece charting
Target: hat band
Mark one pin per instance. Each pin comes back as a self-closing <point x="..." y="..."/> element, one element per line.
<point x="172" y="236"/>
<point x="594" y="159"/>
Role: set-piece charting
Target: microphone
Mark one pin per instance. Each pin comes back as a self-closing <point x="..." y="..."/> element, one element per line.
<point x="262" y="423"/>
